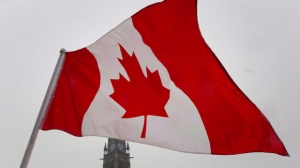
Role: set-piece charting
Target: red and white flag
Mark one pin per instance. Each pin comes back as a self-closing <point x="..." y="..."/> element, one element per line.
<point x="154" y="80"/>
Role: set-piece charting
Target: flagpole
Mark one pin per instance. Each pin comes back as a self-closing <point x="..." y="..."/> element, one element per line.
<point x="43" y="109"/>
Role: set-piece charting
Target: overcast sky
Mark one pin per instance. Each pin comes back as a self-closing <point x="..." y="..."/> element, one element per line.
<point x="257" y="41"/>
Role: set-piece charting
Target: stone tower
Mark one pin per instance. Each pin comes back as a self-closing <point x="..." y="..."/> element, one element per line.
<point x="116" y="154"/>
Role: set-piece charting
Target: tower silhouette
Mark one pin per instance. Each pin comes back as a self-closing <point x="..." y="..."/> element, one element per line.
<point x="116" y="154"/>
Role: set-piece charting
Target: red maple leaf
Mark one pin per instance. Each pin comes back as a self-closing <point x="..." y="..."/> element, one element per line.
<point x="140" y="96"/>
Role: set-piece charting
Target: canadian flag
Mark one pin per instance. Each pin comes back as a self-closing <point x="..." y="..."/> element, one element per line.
<point x="154" y="80"/>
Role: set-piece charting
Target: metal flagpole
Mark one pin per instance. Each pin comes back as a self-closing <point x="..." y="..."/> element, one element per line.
<point x="43" y="109"/>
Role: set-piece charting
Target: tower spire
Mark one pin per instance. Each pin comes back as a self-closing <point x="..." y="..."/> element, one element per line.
<point x="127" y="149"/>
<point x="105" y="149"/>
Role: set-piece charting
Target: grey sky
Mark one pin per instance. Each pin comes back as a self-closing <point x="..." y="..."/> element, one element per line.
<point x="257" y="42"/>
